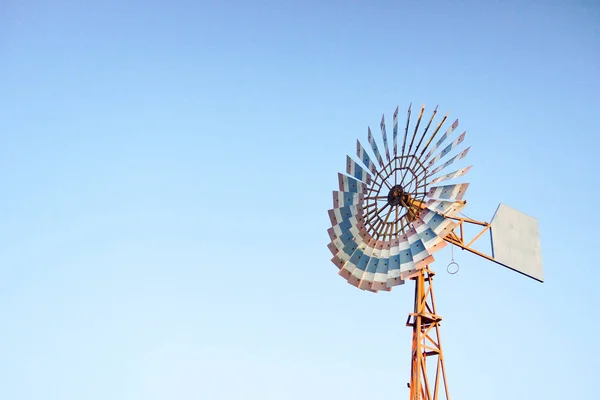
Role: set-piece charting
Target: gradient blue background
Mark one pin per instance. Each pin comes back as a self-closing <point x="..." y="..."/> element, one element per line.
<point x="166" y="168"/>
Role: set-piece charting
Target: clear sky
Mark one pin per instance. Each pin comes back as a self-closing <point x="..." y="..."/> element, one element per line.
<point x="166" y="168"/>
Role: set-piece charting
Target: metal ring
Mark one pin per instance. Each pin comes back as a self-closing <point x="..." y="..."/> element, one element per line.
<point x="452" y="271"/>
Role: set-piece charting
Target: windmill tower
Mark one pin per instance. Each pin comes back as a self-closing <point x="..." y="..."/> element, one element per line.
<point x="395" y="209"/>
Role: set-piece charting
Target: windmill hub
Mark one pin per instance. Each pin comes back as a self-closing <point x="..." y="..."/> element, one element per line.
<point x="397" y="196"/>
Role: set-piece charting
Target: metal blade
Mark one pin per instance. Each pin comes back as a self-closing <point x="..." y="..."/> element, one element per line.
<point x="380" y="278"/>
<point x="353" y="270"/>
<point x="420" y="254"/>
<point x="450" y="192"/>
<point x="452" y="175"/>
<point x="341" y="199"/>
<point x="441" y="140"/>
<point x="375" y="149"/>
<point x="406" y="129"/>
<point x="395" y="132"/>
<point x="349" y="184"/>
<point x="363" y="156"/>
<point x="352" y="168"/>
<point x="393" y="275"/>
<point x="384" y="135"/>
<point x="366" y="280"/>
<point x="439" y="224"/>
<point x="457" y="157"/>
<point x="447" y="208"/>
<point x="447" y="149"/>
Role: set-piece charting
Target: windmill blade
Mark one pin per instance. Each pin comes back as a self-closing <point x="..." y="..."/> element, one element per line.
<point x="341" y="199"/>
<point x="340" y="257"/>
<point x="431" y="241"/>
<point x="342" y="247"/>
<point x="433" y="136"/>
<point x="420" y="255"/>
<point x="349" y="184"/>
<point x="366" y="279"/>
<point x="395" y="132"/>
<point x="384" y="135"/>
<point x="448" y="208"/>
<point x="457" y="157"/>
<point x="407" y="263"/>
<point x="343" y="220"/>
<point x="347" y="263"/>
<point x="352" y="168"/>
<point x="375" y="149"/>
<point x="353" y="270"/>
<point x="344" y="233"/>
<point x="442" y="139"/>
<point x="412" y="141"/>
<point x="452" y="175"/>
<point x="381" y="274"/>
<point x="345" y="241"/>
<point x="406" y="129"/>
<point x="449" y="192"/>
<point x="345" y="213"/>
<point x="439" y="224"/>
<point x="456" y="142"/>
<point x="363" y="156"/>
<point x="427" y="129"/>
<point x="393" y="275"/>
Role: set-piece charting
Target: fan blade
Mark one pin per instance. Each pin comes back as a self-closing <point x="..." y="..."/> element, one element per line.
<point x="442" y="139"/>
<point x="407" y="263"/>
<point x="363" y="156"/>
<point x="447" y="208"/>
<point x="375" y="149"/>
<point x="439" y="224"/>
<point x="380" y="278"/>
<point x="449" y="192"/>
<point x="345" y="241"/>
<point x="427" y="129"/>
<point x="384" y="135"/>
<point x="393" y="275"/>
<point x="395" y="134"/>
<point x="433" y="136"/>
<point x="352" y="168"/>
<point x="447" y="149"/>
<point x="376" y="271"/>
<point x="341" y="199"/>
<point x="419" y="253"/>
<point x="406" y="128"/>
<point x="412" y="141"/>
<point x="349" y="184"/>
<point x="430" y="239"/>
<point x="450" y="161"/>
<point x="353" y="270"/>
<point x="345" y="213"/>
<point x="366" y="280"/>
<point x="452" y="175"/>
<point x="340" y="228"/>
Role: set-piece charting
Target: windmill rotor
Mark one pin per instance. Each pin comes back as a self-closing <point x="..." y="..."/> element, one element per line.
<point x="388" y="218"/>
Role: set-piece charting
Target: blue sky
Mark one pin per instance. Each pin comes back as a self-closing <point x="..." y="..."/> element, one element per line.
<point x="167" y="166"/>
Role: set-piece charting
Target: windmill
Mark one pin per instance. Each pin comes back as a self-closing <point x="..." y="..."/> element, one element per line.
<point x="394" y="210"/>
